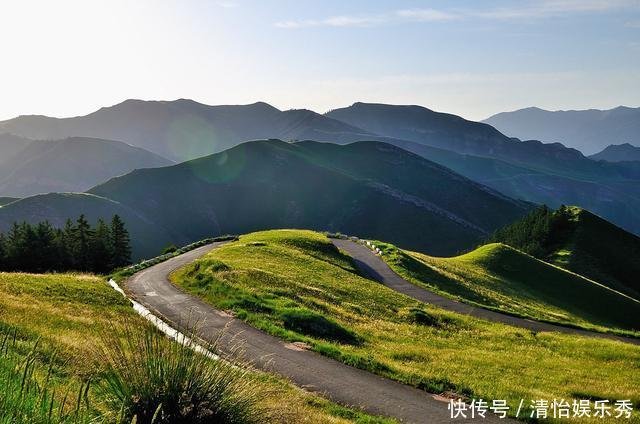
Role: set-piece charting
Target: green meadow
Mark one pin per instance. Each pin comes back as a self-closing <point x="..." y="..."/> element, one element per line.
<point x="298" y="286"/>
<point x="496" y="276"/>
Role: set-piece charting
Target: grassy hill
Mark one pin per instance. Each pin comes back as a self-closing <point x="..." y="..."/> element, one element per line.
<point x="499" y="277"/>
<point x="577" y="240"/>
<point x="73" y="164"/>
<point x="54" y="324"/>
<point x="296" y="285"/>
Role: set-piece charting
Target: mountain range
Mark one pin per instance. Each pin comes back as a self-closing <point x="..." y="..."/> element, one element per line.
<point x="530" y="170"/>
<point x="354" y="189"/>
<point x="587" y="130"/>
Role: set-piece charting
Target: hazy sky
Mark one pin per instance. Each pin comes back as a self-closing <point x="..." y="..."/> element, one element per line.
<point x="472" y="58"/>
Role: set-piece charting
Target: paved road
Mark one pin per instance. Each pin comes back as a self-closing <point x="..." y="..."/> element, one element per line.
<point x="376" y="268"/>
<point x="311" y="371"/>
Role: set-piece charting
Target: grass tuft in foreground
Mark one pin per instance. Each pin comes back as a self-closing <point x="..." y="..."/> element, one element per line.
<point x="156" y="380"/>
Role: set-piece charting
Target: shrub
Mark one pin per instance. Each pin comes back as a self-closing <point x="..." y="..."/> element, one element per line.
<point x="169" y="249"/>
<point x="420" y="316"/>
<point x="312" y="324"/>
<point x="153" y="379"/>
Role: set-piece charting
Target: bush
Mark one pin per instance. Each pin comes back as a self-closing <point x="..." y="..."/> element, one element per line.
<point x="312" y="324"/>
<point x="153" y="379"/>
<point x="422" y="317"/>
<point x="169" y="249"/>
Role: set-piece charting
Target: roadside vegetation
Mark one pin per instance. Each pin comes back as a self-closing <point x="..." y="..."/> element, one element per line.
<point x="72" y="350"/>
<point x="298" y="286"/>
<point x="498" y="277"/>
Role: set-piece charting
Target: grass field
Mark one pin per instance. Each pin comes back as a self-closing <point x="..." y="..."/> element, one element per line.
<point x="55" y="322"/>
<point x="296" y="285"/>
<point x="498" y="277"/>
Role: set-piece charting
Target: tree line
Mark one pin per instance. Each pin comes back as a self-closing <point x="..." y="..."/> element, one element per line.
<point x="536" y="233"/>
<point x="78" y="246"/>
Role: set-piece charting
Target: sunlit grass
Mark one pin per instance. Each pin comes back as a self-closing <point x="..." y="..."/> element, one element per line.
<point x="266" y="273"/>
<point x="499" y="277"/>
<point x="68" y="317"/>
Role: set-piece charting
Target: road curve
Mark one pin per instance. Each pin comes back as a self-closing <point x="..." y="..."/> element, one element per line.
<point x="339" y="382"/>
<point x="374" y="267"/>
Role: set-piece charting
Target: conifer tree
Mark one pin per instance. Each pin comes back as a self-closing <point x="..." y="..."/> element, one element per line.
<point x="121" y="244"/>
<point x="101" y="248"/>
<point x="82" y="244"/>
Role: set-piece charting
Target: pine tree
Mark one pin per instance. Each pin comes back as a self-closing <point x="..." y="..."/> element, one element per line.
<point x="82" y="248"/>
<point x="101" y="248"/>
<point x="121" y="244"/>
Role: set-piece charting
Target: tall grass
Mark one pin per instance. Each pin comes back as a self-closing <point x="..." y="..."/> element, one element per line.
<point x="27" y="395"/>
<point x="155" y="380"/>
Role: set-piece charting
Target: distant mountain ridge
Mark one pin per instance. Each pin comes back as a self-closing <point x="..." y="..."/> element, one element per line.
<point x="67" y="165"/>
<point x="184" y="129"/>
<point x="272" y="184"/>
<point x="529" y="170"/>
<point x="586" y="130"/>
<point x="618" y="153"/>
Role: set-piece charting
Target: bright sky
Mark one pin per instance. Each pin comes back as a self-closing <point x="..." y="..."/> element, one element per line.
<point x="472" y="58"/>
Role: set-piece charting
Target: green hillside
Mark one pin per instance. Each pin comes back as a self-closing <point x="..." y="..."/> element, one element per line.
<point x="272" y="184"/>
<point x="499" y="277"/>
<point x="296" y="285"/>
<point x="51" y="327"/>
<point x="577" y="240"/>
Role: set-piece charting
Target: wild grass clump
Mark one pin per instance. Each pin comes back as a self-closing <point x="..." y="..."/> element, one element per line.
<point x="152" y="379"/>
<point x="313" y="324"/>
<point x="25" y="398"/>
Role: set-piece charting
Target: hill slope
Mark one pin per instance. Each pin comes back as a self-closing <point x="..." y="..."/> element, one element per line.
<point x="580" y="241"/>
<point x="587" y="130"/>
<point x="272" y="184"/>
<point x="543" y="173"/>
<point x="73" y="164"/>
<point x="298" y="286"/>
<point x="502" y="278"/>
<point x="618" y="153"/>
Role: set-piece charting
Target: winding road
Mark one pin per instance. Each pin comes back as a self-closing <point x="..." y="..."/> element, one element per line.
<point x="313" y="372"/>
<point x="375" y="268"/>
